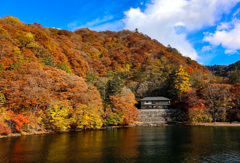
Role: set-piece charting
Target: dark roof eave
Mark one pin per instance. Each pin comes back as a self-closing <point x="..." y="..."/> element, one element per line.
<point x="155" y="104"/>
<point x="155" y="99"/>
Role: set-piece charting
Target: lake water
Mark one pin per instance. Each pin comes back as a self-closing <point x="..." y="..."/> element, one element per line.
<point x="139" y="144"/>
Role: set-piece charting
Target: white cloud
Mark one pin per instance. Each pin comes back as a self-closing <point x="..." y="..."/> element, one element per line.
<point x="56" y="28"/>
<point x="206" y="48"/>
<point x="236" y="12"/>
<point x="112" y="26"/>
<point x="161" y="17"/>
<point x="98" y="21"/>
<point x="230" y="51"/>
<point x="227" y="36"/>
<point x="224" y="26"/>
<point x="92" y="24"/>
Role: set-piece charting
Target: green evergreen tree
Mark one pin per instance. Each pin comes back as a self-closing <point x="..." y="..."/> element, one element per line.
<point x="235" y="77"/>
<point x="114" y="87"/>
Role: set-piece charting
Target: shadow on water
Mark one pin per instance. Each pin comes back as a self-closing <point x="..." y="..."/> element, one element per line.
<point x="139" y="144"/>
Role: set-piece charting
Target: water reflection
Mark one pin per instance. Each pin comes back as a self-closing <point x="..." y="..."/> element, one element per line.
<point x="145" y="144"/>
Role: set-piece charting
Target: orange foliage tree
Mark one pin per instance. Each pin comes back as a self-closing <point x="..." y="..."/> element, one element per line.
<point x="125" y="103"/>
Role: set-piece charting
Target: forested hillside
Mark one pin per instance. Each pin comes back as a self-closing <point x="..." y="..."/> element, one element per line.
<point x="57" y="79"/>
<point x="232" y="71"/>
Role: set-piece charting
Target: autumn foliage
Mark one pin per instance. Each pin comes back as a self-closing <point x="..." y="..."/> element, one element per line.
<point x="122" y="109"/>
<point x="53" y="79"/>
<point x="199" y="113"/>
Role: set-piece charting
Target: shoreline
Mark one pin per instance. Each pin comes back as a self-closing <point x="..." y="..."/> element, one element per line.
<point x="139" y="124"/>
<point x="55" y="132"/>
<point x="218" y="124"/>
<point x="161" y="123"/>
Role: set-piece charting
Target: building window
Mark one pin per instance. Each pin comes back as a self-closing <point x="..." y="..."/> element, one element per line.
<point x="162" y="102"/>
<point x="148" y="102"/>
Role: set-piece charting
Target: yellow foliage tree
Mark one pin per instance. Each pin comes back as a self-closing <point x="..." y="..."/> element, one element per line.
<point x="12" y="20"/>
<point x="59" y="117"/>
<point x="198" y="115"/>
<point x="25" y="38"/>
<point x="2" y="99"/>
<point x="4" y="116"/>
<point x="181" y="81"/>
<point x="87" y="116"/>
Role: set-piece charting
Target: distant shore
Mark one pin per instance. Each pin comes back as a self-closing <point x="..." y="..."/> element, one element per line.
<point x="217" y="124"/>
<point x="161" y="123"/>
<point x="139" y="124"/>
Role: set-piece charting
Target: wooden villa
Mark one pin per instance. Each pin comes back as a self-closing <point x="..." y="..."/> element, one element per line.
<point x="155" y="103"/>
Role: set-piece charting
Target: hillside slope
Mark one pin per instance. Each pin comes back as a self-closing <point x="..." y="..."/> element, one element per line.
<point x="58" y="74"/>
<point x="231" y="71"/>
<point x="92" y="55"/>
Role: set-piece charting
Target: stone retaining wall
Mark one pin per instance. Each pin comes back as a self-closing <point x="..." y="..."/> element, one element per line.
<point x="159" y="115"/>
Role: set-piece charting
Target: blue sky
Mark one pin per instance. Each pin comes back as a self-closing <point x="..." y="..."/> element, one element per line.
<point x="205" y="30"/>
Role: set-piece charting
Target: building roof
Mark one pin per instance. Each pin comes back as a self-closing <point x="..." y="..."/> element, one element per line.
<point x="155" y="99"/>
